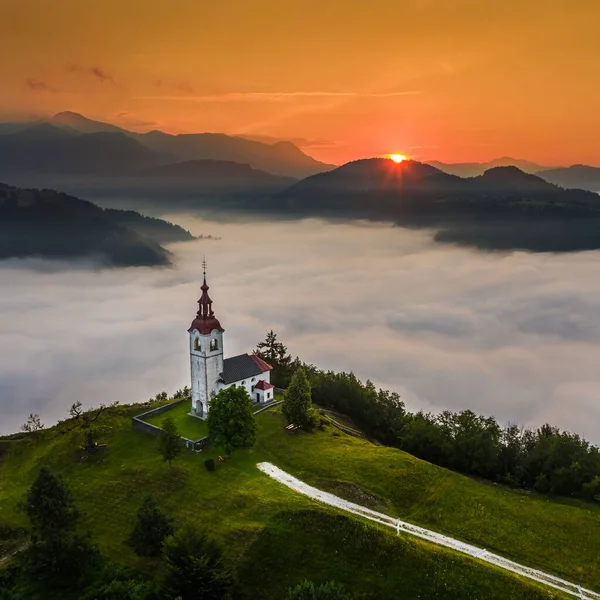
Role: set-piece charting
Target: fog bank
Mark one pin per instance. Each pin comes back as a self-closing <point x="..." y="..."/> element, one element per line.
<point x="514" y="335"/>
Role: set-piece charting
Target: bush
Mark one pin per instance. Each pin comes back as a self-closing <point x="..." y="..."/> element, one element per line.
<point x="325" y="591"/>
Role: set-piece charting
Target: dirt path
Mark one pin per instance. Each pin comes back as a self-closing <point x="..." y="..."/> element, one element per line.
<point x="426" y="534"/>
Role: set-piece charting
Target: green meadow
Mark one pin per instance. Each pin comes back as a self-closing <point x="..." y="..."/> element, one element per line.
<point x="275" y="537"/>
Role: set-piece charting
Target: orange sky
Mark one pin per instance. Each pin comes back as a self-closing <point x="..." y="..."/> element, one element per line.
<point x="448" y="79"/>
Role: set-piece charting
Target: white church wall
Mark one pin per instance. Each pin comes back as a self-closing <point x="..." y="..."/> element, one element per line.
<point x="206" y="367"/>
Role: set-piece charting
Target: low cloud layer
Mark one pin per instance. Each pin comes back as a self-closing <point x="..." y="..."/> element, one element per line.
<point x="512" y="335"/>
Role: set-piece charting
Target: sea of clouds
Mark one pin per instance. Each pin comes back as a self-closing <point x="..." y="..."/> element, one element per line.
<point x="512" y="335"/>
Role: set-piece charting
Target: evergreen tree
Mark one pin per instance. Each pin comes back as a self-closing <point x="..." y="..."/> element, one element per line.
<point x="56" y="555"/>
<point x="195" y="567"/>
<point x="275" y="353"/>
<point x="231" y="420"/>
<point x="151" y="528"/>
<point x="50" y="507"/>
<point x="297" y="401"/>
<point x="169" y="440"/>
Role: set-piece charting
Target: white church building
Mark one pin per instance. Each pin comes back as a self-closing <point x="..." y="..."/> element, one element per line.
<point x="211" y="372"/>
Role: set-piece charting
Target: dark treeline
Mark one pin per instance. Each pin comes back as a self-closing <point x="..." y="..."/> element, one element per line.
<point x="546" y="460"/>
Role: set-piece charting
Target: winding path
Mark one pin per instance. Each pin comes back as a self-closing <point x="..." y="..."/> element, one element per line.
<point x="426" y="534"/>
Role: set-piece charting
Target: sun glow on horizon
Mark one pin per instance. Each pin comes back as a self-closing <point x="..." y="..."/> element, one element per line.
<point x="397" y="158"/>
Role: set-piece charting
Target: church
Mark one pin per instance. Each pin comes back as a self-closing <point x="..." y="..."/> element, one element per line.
<point x="211" y="372"/>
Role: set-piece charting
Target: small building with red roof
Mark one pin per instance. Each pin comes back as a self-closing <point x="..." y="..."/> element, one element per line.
<point x="210" y="372"/>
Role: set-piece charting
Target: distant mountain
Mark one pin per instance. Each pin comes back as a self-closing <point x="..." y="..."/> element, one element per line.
<point x="53" y="225"/>
<point x="217" y="172"/>
<point x="280" y="158"/>
<point x="504" y="208"/>
<point x="76" y="122"/>
<point x="476" y="168"/>
<point x="577" y="176"/>
<point x="154" y="148"/>
<point x="48" y="149"/>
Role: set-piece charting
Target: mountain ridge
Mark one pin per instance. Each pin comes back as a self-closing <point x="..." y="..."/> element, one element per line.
<point x="51" y="224"/>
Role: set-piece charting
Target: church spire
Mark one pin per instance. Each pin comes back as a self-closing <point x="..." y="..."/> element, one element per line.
<point x="205" y="320"/>
<point x="205" y="303"/>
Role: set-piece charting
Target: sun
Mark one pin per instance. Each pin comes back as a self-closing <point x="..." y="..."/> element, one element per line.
<point x="398" y="158"/>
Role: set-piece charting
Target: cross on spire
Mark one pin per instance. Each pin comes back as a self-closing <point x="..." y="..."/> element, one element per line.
<point x="205" y="320"/>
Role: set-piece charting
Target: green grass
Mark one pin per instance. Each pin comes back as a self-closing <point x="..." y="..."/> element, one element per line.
<point x="188" y="426"/>
<point x="276" y="537"/>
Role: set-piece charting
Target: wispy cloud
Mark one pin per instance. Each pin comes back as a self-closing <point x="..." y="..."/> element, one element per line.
<point x="39" y="86"/>
<point x="97" y="72"/>
<point x="279" y="96"/>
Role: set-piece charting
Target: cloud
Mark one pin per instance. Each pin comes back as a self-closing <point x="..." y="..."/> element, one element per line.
<point x="280" y="96"/>
<point x="513" y="335"/>
<point x="39" y="86"/>
<point x="96" y="72"/>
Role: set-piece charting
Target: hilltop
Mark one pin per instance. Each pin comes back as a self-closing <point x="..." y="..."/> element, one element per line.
<point x="502" y="209"/>
<point x="49" y="224"/>
<point x="276" y="538"/>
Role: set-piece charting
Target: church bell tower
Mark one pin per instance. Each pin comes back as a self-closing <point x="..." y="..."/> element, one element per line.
<point x="206" y="352"/>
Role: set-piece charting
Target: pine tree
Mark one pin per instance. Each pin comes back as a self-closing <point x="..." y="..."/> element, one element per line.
<point x="151" y="528"/>
<point x="50" y="507"/>
<point x="297" y="401"/>
<point x="169" y="440"/>
<point x="56" y="555"/>
<point x="231" y="421"/>
<point x="195" y="567"/>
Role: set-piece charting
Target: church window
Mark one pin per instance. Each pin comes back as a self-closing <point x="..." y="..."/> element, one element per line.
<point x="214" y="345"/>
<point x="254" y="379"/>
<point x="198" y="345"/>
<point x="268" y="394"/>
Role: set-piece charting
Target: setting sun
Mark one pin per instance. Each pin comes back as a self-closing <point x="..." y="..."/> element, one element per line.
<point x="398" y="157"/>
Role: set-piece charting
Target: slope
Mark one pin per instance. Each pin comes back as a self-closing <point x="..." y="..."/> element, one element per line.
<point x="52" y="225"/>
<point x="276" y="538"/>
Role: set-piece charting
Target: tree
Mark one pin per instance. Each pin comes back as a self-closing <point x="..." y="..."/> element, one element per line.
<point x="151" y="528"/>
<point x="169" y="440"/>
<point x="34" y="423"/>
<point x="56" y="555"/>
<point x="231" y="420"/>
<point x="297" y="401"/>
<point x="195" y="567"/>
<point x="275" y="353"/>
<point x="50" y="507"/>
<point x="307" y="590"/>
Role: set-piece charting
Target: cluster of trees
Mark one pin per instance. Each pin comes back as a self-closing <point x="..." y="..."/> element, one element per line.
<point x="546" y="459"/>
<point x="60" y="560"/>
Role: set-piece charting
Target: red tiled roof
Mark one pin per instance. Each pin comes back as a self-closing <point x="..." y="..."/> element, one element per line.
<point x="263" y="385"/>
<point x="205" y="325"/>
<point x="261" y="363"/>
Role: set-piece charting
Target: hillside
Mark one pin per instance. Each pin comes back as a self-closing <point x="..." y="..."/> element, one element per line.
<point x="53" y="225"/>
<point x="276" y="538"/>
<point x="576" y="176"/>
<point x="218" y="173"/>
<point x="502" y="209"/>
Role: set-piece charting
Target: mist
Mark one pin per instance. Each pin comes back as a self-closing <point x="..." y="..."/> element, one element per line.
<point x="513" y="335"/>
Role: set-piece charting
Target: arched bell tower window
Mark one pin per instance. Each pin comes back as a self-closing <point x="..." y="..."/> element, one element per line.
<point x="198" y="345"/>
<point x="214" y="345"/>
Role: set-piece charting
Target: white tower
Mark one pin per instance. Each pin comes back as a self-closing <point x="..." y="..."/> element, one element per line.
<point x="206" y="352"/>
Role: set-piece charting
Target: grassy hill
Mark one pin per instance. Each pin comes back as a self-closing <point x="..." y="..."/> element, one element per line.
<point x="276" y="538"/>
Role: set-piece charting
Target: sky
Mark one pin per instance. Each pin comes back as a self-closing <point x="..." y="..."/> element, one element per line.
<point x="459" y="80"/>
<point x="513" y="335"/>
